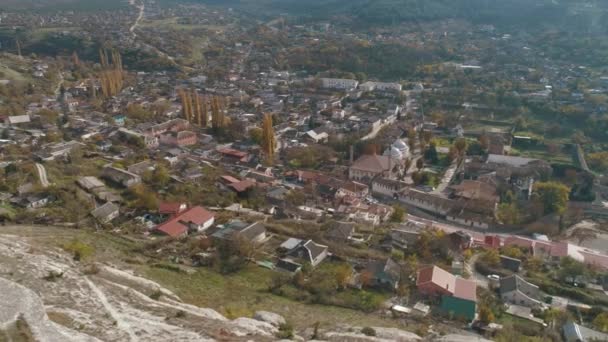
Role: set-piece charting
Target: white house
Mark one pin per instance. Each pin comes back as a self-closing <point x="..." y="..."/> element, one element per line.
<point x="339" y="83"/>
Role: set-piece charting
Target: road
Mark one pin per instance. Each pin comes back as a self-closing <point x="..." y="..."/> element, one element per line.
<point x="446" y="179"/>
<point x="57" y="90"/>
<point x="140" y="16"/>
<point x="44" y="181"/>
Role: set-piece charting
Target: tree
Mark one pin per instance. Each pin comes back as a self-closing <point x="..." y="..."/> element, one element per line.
<point x="584" y="234"/>
<point x="552" y="195"/>
<point x="508" y="213"/>
<point x="161" y="176"/>
<point x="431" y="153"/>
<point x="269" y="140"/>
<point x="484" y="142"/>
<point x="398" y="215"/>
<point x="491" y="257"/>
<point x="420" y="164"/>
<point x="256" y="135"/>
<point x="461" y="146"/>
<point x="512" y="251"/>
<point x="601" y="322"/>
<point x="343" y="274"/>
<point x="486" y="315"/>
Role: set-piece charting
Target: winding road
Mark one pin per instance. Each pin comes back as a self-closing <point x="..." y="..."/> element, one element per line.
<point x="140" y="16"/>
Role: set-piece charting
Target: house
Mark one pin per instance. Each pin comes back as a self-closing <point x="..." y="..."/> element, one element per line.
<point x="317" y="138"/>
<point x="90" y="184"/>
<point x="369" y="166"/>
<point x="18" y="119"/>
<point x="288" y="265"/>
<point x="339" y="83"/>
<point x="510" y="264"/>
<point x="381" y="86"/>
<point x="384" y="274"/>
<point x="251" y="232"/>
<point x="180" y="139"/>
<point x="106" y="212"/>
<point x="573" y="332"/>
<point x="516" y="290"/>
<point x="458" y="295"/>
<point x="233" y="156"/>
<point x="55" y="150"/>
<point x="341" y="232"/>
<point x="171" y="208"/>
<point x="33" y="201"/>
<point x="402" y="238"/>
<point x="195" y="219"/>
<point x="120" y="176"/>
<point x="142" y="167"/>
<point x="387" y="187"/>
<point x="434" y="281"/>
<point x="307" y="251"/>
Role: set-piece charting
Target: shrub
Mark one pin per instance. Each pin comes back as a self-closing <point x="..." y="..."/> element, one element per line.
<point x="79" y="250"/>
<point x="285" y="331"/>
<point x="368" y="331"/>
<point x="156" y="295"/>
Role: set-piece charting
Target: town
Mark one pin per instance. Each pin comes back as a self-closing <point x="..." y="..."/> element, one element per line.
<point x="402" y="176"/>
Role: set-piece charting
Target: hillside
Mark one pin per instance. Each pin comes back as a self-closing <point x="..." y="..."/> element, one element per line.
<point x="61" y="5"/>
<point x="583" y="14"/>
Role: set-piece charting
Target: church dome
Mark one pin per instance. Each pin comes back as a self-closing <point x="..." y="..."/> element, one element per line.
<point x="394" y="153"/>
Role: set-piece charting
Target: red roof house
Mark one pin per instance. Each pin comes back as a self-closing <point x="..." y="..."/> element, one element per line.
<point x="194" y="219"/>
<point x="434" y="281"/>
<point x="171" y="208"/>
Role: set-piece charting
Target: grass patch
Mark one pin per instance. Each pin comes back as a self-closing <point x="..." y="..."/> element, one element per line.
<point x="247" y="292"/>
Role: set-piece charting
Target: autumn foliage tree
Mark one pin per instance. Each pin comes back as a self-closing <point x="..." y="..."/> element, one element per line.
<point x="111" y="76"/>
<point x="194" y="107"/>
<point x="269" y="141"/>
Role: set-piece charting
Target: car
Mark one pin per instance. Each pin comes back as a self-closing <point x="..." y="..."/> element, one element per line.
<point x="494" y="277"/>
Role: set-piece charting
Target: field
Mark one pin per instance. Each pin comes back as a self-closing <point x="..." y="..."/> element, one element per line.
<point x="10" y="74"/>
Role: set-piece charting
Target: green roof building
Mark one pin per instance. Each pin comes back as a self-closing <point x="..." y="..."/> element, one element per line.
<point x="458" y="307"/>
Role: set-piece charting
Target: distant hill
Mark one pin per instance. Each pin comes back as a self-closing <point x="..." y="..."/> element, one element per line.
<point x="586" y="14"/>
<point x="61" y="5"/>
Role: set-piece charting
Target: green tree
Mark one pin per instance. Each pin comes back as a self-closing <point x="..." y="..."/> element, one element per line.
<point x="601" y="322"/>
<point x="491" y="257"/>
<point x="161" y="176"/>
<point x="552" y="195"/>
<point x="508" y="213"/>
<point x="431" y="153"/>
<point x="399" y="214"/>
<point x="256" y="135"/>
<point x="486" y="315"/>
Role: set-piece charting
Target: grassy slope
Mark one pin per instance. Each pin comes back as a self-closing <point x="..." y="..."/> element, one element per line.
<point x="236" y="295"/>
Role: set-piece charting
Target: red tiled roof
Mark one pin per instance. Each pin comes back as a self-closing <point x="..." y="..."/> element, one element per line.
<point x="437" y="276"/>
<point x="171" y="208"/>
<point x="242" y="185"/>
<point x="178" y="225"/>
<point x="230" y="179"/>
<point x="466" y="289"/>
<point x="233" y="153"/>
<point x="519" y="241"/>
<point x="371" y="163"/>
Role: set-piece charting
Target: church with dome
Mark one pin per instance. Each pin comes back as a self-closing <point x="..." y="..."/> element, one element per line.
<point x="398" y="150"/>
